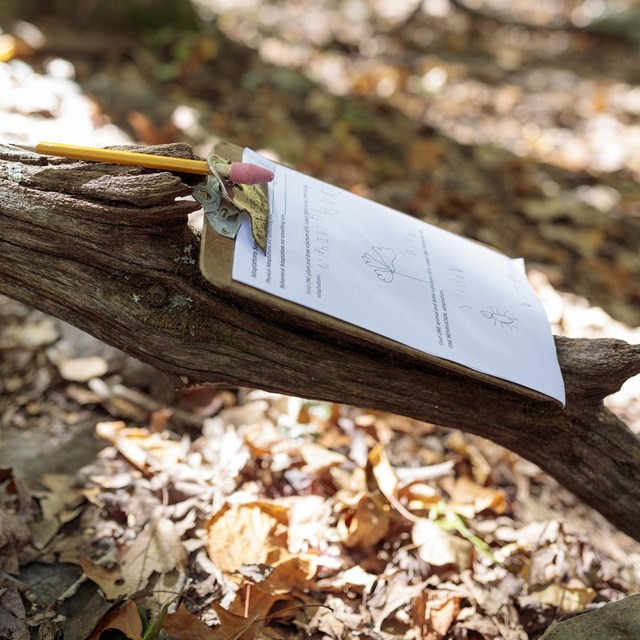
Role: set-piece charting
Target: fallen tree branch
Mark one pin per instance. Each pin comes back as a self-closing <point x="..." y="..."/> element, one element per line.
<point x="614" y="621"/>
<point x="108" y="249"/>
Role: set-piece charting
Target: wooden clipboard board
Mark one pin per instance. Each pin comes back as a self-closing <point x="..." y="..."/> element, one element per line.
<point x="216" y="265"/>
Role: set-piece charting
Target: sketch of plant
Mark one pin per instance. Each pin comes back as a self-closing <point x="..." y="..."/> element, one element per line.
<point x="500" y="318"/>
<point x="381" y="260"/>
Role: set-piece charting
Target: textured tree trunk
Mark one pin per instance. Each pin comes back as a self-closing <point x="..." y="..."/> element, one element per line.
<point x="108" y="249"/>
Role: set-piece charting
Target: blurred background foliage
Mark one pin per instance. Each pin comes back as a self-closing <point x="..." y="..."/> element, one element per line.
<point x="134" y="15"/>
<point x="514" y="123"/>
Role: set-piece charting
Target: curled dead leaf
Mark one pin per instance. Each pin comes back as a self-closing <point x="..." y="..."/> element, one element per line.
<point x="82" y="369"/>
<point x="318" y="458"/>
<point x="233" y="626"/>
<point x="367" y="495"/>
<point x="14" y="535"/>
<point x="469" y="498"/>
<point x="381" y="469"/>
<point x="354" y="579"/>
<point x="420" y="497"/>
<point x="435" y="611"/>
<point x="187" y="626"/>
<point x="143" y="449"/>
<point x="390" y="595"/>
<point x="365" y="526"/>
<point x="440" y="548"/>
<point x="243" y="534"/>
<point x="309" y="522"/>
<point x="564" y="597"/>
<point x="157" y="548"/>
<point x="124" y="618"/>
<point x="13" y="622"/>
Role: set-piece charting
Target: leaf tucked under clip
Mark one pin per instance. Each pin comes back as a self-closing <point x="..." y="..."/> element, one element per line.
<point x="252" y="199"/>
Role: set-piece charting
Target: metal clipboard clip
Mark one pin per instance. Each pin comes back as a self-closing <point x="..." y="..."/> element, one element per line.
<point x="223" y="216"/>
<point x="224" y="199"/>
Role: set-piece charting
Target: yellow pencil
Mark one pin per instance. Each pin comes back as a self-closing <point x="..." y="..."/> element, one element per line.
<point x="92" y="154"/>
<point x="242" y="172"/>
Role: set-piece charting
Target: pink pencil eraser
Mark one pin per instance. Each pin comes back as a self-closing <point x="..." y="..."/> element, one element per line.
<point x="247" y="173"/>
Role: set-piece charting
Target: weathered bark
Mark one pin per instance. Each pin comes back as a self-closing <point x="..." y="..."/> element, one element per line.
<point x="614" y="621"/>
<point x="107" y="249"/>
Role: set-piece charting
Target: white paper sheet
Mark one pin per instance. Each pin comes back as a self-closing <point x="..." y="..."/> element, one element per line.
<point x="379" y="269"/>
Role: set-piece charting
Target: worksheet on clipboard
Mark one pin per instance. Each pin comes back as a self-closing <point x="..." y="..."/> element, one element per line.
<point x="366" y="264"/>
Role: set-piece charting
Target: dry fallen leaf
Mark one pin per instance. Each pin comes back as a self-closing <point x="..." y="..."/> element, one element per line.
<point x="464" y="446"/>
<point x="58" y="506"/>
<point x="354" y="579"/>
<point x="186" y="626"/>
<point x="13" y="623"/>
<point x="157" y="548"/>
<point x="262" y="438"/>
<point x="14" y="535"/>
<point x="82" y="369"/>
<point x="253" y="601"/>
<point x="365" y="526"/>
<point x="437" y="611"/>
<point x="410" y="475"/>
<point x="338" y="621"/>
<point x="43" y="532"/>
<point x="391" y="594"/>
<point x="124" y="618"/>
<point x="293" y="574"/>
<point x="318" y="458"/>
<point x="65" y="495"/>
<point x="384" y="474"/>
<point x="16" y="518"/>
<point x="469" y="498"/>
<point x="564" y="597"/>
<point x="491" y="598"/>
<point x="32" y="335"/>
<point x="367" y="519"/>
<point x="16" y="492"/>
<point x="70" y="548"/>
<point x="143" y="449"/>
<point x="420" y="497"/>
<point x="440" y="548"/>
<point x="242" y="534"/>
<point x="109" y="579"/>
<point x="442" y="608"/>
<point x="309" y="523"/>
<point x="281" y="595"/>
<point x="203" y="401"/>
<point x="233" y="626"/>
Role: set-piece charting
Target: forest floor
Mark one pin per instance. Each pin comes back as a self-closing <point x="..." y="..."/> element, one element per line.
<point x="279" y="517"/>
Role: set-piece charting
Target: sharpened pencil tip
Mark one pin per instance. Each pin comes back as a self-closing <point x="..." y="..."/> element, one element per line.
<point x="24" y="147"/>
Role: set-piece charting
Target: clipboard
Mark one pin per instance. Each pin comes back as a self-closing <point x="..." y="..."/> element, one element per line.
<point x="216" y="265"/>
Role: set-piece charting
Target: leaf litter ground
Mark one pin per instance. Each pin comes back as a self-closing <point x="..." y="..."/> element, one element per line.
<point x="280" y="517"/>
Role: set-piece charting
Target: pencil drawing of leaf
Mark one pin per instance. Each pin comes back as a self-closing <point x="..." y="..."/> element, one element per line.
<point x="385" y="275"/>
<point x="382" y="262"/>
<point x="372" y="262"/>
<point x="386" y="255"/>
